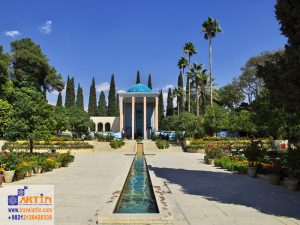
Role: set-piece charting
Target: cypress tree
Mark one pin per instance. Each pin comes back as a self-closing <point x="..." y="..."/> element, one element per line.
<point x="102" y="108"/>
<point x="170" y="107"/>
<point x="149" y="81"/>
<point x="79" y="100"/>
<point x="112" y="104"/>
<point x="70" y="93"/>
<point x="59" y="100"/>
<point x="160" y="108"/>
<point x="187" y="94"/>
<point x="92" y="108"/>
<point x="181" y="98"/>
<point x="138" y="78"/>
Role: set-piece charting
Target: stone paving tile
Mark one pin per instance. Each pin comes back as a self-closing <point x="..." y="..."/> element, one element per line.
<point x="81" y="188"/>
<point x="208" y="195"/>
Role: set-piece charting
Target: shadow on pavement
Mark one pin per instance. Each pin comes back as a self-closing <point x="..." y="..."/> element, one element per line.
<point x="234" y="189"/>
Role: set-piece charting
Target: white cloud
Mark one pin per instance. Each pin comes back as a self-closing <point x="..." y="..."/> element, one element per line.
<point x="56" y="92"/>
<point x="46" y="28"/>
<point x="102" y="87"/>
<point x="166" y="87"/>
<point x="121" y="91"/>
<point x="12" y="33"/>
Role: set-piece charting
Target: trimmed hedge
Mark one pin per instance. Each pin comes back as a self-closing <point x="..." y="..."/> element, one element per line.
<point x="162" y="144"/>
<point x="116" y="143"/>
<point x="231" y="165"/>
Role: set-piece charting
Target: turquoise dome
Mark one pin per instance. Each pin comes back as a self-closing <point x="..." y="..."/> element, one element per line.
<point x="139" y="88"/>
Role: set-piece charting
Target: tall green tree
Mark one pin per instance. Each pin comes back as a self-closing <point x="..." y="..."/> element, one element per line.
<point x="138" y="78"/>
<point x="284" y="69"/>
<point x="59" y="100"/>
<point x="31" y="67"/>
<point x="102" y="108"/>
<point x="4" y="61"/>
<point x="62" y="119"/>
<point x="182" y="64"/>
<point x="230" y="96"/>
<point x="79" y="100"/>
<point x="178" y="92"/>
<point x="32" y="117"/>
<point x="210" y="28"/>
<point x="92" y="107"/>
<point x="149" y="81"/>
<point x="180" y="86"/>
<point x="198" y="76"/>
<point x="112" y="109"/>
<point x="248" y="82"/>
<point x="170" y="107"/>
<point x="6" y="110"/>
<point x="216" y="119"/>
<point x="189" y="49"/>
<point x="70" y="93"/>
<point x="79" y="120"/>
<point x="160" y="108"/>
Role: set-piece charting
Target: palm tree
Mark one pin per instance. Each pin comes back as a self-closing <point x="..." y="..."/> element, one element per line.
<point x="189" y="49"/>
<point x="178" y="92"/>
<point x="196" y="72"/>
<point x="182" y="64"/>
<point x="210" y="28"/>
<point x="203" y="79"/>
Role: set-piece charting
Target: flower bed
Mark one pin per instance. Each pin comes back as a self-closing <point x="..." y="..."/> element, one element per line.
<point x="256" y="158"/>
<point x="23" y="164"/>
<point x="24" y="145"/>
<point x="200" y="144"/>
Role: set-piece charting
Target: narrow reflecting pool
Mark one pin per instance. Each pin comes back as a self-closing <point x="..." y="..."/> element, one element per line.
<point x="137" y="195"/>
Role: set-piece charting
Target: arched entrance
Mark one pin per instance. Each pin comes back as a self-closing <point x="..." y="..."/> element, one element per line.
<point x="100" y="127"/>
<point x="107" y="127"/>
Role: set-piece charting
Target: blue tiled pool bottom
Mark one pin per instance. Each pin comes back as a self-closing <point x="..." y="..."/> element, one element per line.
<point x="137" y="195"/>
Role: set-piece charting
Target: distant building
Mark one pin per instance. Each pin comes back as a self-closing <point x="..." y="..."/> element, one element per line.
<point x="138" y="113"/>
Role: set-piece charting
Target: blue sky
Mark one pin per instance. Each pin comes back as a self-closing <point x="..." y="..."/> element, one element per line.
<point x="92" y="38"/>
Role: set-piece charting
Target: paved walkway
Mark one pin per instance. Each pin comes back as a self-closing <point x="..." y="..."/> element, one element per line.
<point x="81" y="189"/>
<point x="208" y="195"/>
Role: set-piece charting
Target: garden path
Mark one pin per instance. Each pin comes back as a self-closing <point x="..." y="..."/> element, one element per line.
<point x="211" y="196"/>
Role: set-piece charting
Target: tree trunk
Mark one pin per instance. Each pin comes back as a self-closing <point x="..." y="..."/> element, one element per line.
<point x="31" y="146"/>
<point x="189" y="94"/>
<point x="210" y="73"/>
<point x="197" y="97"/>
<point x="203" y="98"/>
<point x="189" y="87"/>
<point x="178" y="105"/>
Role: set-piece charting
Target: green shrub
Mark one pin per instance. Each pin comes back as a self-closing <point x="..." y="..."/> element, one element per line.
<point x="162" y="144"/>
<point x="116" y="143"/>
<point x="154" y="137"/>
<point x="255" y="152"/>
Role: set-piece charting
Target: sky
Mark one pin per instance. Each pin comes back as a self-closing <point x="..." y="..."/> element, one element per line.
<point x="97" y="38"/>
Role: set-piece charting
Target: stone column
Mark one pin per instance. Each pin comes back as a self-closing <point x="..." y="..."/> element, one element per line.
<point x="156" y="114"/>
<point x="121" y="113"/>
<point x="132" y="117"/>
<point x="145" y="118"/>
<point x="96" y="127"/>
